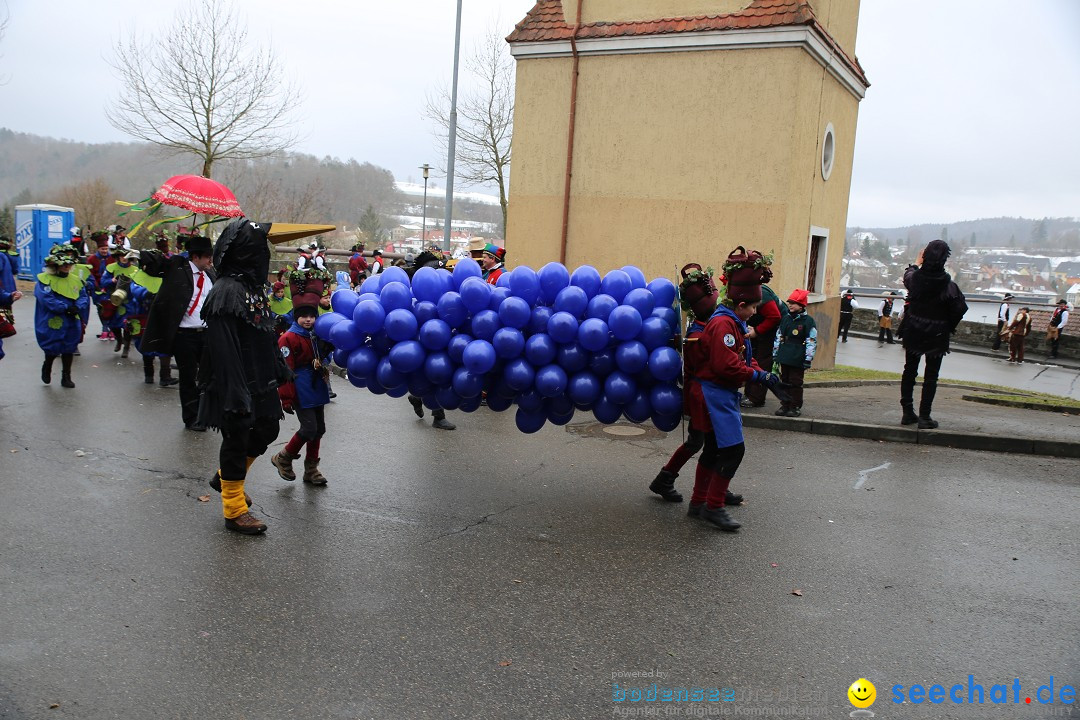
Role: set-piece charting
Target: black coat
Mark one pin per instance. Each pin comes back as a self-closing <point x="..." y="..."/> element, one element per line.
<point x="172" y="300"/>
<point x="936" y="306"/>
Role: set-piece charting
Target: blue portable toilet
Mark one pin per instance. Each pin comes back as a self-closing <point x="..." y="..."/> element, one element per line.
<point x="37" y="228"/>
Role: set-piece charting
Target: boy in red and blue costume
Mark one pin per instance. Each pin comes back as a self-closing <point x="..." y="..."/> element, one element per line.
<point x="727" y="363"/>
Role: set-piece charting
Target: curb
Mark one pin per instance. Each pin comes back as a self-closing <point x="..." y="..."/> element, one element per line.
<point x="918" y="383"/>
<point x="1066" y="409"/>
<point x="1066" y="362"/>
<point x="890" y="433"/>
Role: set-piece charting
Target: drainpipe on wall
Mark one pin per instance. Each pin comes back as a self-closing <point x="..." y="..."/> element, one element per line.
<point x="570" y="136"/>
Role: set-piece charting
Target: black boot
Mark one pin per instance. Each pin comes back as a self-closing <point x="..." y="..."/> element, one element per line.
<point x="167" y="380"/>
<point x="417" y="405"/>
<point x="720" y="518"/>
<point x="909" y="418"/>
<point x="46" y="369"/>
<point x="127" y="343"/>
<point x="118" y="336"/>
<point x="927" y="423"/>
<point x="65" y="370"/>
<point x="664" y="486"/>
<point x="148" y="369"/>
<point x="731" y="498"/>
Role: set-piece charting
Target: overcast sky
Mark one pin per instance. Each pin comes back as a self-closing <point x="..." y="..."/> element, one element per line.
<point x="973" y="112"/>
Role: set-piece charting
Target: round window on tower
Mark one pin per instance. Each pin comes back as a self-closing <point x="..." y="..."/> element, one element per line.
<point x="828" y="152"/>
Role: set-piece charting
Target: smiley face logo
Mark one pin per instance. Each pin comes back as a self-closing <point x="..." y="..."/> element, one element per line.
<point x="862" y="693"/>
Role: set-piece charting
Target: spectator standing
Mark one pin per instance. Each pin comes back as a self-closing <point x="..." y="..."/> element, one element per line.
<point x="794" y="349"/>
<point x="1003" y="321"/>
<point x="884" y="314"/>
<point x="1058" y="320"/>
<point x="848" y="305"/>
<point x="937" y="307"/>
<point x="1018" y="332"/>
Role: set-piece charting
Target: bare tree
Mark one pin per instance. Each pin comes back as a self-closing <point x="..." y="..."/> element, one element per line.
<point x="93" y="202"/>
<point x="267" y="196"/>
<point x="485" y="118"/>
<point x="4" y="17"/>
<point x="202" y="87"/>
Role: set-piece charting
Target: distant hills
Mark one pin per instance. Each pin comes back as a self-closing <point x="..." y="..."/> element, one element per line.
<point x="1009" y="232"/>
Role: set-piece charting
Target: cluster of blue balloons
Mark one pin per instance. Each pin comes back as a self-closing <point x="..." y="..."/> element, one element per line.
<point x="548" y="341"/>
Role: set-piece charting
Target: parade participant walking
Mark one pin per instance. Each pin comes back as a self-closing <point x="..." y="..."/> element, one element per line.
<point x="308" y="393"/>
<point x="61" y="309"/>
<point x="281" y="305"/>
<point x="1019" y="329"/>
<point x="77" y="243"/>
<point x="8" y="295"/>
<point x="848" y="306"/>
<point x="244" y="367"/>
<point x="492" y="263"/>
<point x="697" y="296"/>
<point x="727" y="363"/>
<point x="357" y="265"/>
<point x="9" y="254"/>
<point x="763" y="325"/>
<point x="432" y="257"/>
<point x="174" y="324"/>
<point x="937" y="307"/>
<point x="884" y="314"/>
<point x="1058" y="320"/>
<point x="1002" y="321"/>
<point x="117" y="277"/>
<point x="796" y="344"/>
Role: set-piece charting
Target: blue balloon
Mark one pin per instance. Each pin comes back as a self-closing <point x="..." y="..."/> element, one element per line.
<point x="435" y="334"/>
<point x="553" y="278"/>
<point x="664" y="292"/>
<point x="372" y="285"/>
<point x="551" y="380"/>
<point x="637" y="278"/>
<point x="560" y="418"/>
<point x="400" y="391"/>
<point x="465" y="269"/>
<point x="666" y="423"/>
<point x="446" y="281"/>
<point x="593" y="334"/>
<point x="394" y="274"/>
<point x="641" y="300"/>
<point x="606" y="411"/>
<point x="625" y="322"/>
<point x="395" y="296"/>
<point x="587" y="278"/>
<point x="602" y="363"/>
<point x="400" y="324"/>
<point x="572" y="300"/>
<point x="654" y="333"/>
<point x="530" y="400"/>
<point x="667" y="315"/>
<point x="519" y="374"/>
<point x="373" y="386"/>
<point x="381" y="343"/>
<point x="503" y="281"/>
<point x="619" y="388"/>
<point x="362" y="363"/>
<point x="478" y="358"/>
<point x="344" y="336"/>
<point x="447" y="398"/>
<point x="343" y="301"/>
<point x="665" y="364"/>
<point x="470" y="404"/>
<point x="509" y="343"/>
<point x="514" y="312"/>
<point x="326" y="322"/>
<point x="368" y="316"/>
<point x="631" y="357"/>
<point x="387" y="376"/>
<point x="456" y="347"/>
<point x="466" y="384"/>
<point x="501" y="387"/>
<point x="563" y="327"/>
<point x="616" y="284"/>
<point x="439" y="368"/>
<point x="475" y="293"/>
<point x="426" y="285"/>
<point x="530" y="421"/>
<point x="407" y="356"/>
<point x="358" y="381"/>
<point x="452" y="309"/>
<point x="601" y="307"/>
<point x="425" y="310"/>
<point x="341" y="358"/>
<point x="498" y="403"/>
<point x="499" y="295"/>
<point x="430" y="402"/>
<point x="540" y="350"/>
<point x="538" y="319"/>
<point x="525" y="284"/>
<point x="559" y="405"/>
<point x="666" y="399"/>
<point x="584" y="389"/>
<point x="572" y="358"/>
<point x="419" y="385"/>
<point x="484" y="324"/>
<point x="638" y="410"/>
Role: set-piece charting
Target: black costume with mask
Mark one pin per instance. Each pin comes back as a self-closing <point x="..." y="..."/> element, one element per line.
<point x="241" y="368"/>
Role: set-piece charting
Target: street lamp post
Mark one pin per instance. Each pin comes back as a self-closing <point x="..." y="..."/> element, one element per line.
<point x="451" y="154"/>
<point x="423" y="227"/>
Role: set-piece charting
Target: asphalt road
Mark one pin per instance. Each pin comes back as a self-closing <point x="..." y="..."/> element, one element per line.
<point x="483" y="573"/>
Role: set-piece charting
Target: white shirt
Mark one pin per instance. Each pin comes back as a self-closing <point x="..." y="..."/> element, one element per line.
<point x="1003" y="312"/>
<point x="194" y="319"/>
<point x="1064" y="319"/>
<point x="376" y="267"/>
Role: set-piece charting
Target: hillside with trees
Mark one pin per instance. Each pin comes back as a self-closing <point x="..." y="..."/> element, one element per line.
<point x="1030" y="235"/>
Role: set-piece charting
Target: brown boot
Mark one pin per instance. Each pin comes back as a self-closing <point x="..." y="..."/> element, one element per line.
<point x="311" y="472"/>
<point x="246" y="524"/>
<point x="283" y="462"/>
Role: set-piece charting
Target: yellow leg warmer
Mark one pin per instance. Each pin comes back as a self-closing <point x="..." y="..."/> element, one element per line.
<point x="233" y="504"/>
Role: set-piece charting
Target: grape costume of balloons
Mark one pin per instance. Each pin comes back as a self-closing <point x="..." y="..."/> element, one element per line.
<point x="550" y="342"/>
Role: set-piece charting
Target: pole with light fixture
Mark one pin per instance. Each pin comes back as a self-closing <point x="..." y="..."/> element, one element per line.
<point x="423" y="227"/>
<point x="452" y="136"/>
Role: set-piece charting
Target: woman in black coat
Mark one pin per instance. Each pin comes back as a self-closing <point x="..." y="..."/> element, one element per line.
<point x="935" y="308"/>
